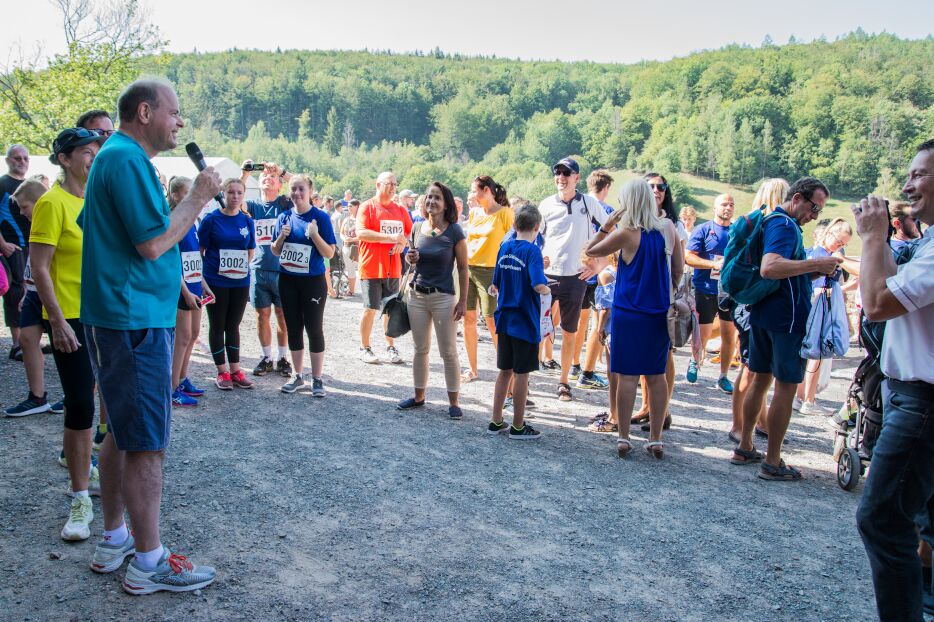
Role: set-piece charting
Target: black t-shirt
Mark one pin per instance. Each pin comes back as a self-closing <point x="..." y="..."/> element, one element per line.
<point x="13" y="225"/>
<point x="435" y="267"/>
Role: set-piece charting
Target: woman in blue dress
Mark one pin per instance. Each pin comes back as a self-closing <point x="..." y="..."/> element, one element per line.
<point x="650" y="263"/>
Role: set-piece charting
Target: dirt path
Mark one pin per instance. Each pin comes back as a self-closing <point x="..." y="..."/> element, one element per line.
<point x="347" y="509"/>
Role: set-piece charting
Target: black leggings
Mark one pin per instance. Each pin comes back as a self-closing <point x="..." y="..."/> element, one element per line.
<point x="224" y="317"/>
<point x="77" y="378"/>
<point x="303" y="299"/>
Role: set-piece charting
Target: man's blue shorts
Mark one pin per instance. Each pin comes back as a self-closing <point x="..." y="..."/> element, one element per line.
<point x="776" y="353"/>
<point x="264" y="289"/>
<point x="134" y="374"/>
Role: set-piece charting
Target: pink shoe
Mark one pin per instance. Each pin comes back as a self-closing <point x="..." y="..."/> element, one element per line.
<point x="224" y="382"/>
<point x="240" y="380"/>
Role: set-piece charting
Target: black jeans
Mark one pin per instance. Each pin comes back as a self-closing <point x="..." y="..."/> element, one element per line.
<point x="899" y="491"/>
<point x="224" y="317"/>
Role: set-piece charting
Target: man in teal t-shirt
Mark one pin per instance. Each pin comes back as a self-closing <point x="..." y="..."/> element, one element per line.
<point x="129" y="291"/>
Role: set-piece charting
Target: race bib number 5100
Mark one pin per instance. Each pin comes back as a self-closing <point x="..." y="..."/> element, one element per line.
<point x="264" y="231"/>
<point x="295" y="257"/>
<point x="233" y="263"/>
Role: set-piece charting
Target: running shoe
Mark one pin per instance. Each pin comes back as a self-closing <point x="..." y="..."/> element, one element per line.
<point x="94" y="482"/>
<point x="223" y="381"/>
<point x="507" y="405"/>
<point x="525" y="433"/>
<point x="367" y="356"/>
<point x="595" y="381"/>
<point x="263" y="367"/>
<point x="497" y="428"/>
<point x="239" y="380"/>
<point x="189" y="389"/>
<point x="179" y="399"/>
<point x="294" y="384"/>
<point x="725" y="385"/>
<point x="78" y="526"/>
<point x="811" y="408"/>
<point x="109" y="557"/>
<point x="284" y="368"/>
<point x="16" y="353"/>
<point x="317" y="387"/>
<point x="550" y="367"/>
<point x="796" y="403"/>
<point x="47" y="348"/>
<point x="393" y="355"/>
<point x="691" y="376"/>
<point x="99" y="436"/>
<point x="575" y="372"/>
<point x="62" y="460"/>
<point x="58" y="407"/>
<point x="30" y="406"/>
<point x="173" y="573"/>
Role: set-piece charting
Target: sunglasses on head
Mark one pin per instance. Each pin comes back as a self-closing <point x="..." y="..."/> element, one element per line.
<point x="563" y="172"/>
<point x="662" y="187"/>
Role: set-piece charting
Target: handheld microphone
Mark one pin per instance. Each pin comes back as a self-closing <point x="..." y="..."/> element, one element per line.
<point x="197" y="158"/>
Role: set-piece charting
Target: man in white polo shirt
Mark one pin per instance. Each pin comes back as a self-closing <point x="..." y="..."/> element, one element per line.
<point x="569" y="218"/>
<point x="900" y="487"/>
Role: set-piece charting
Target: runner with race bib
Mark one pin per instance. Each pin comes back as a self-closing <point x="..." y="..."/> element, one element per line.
<point x="227" y="238"/>
<point x="304" y="238"/>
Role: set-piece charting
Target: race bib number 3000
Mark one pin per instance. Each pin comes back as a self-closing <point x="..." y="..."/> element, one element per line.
<point x="295" y="257"/>
<point x="233" y="263"/>
<point x="191" y="266"/>
<point x="264" y="231"/>
<point x="27" y="277"/>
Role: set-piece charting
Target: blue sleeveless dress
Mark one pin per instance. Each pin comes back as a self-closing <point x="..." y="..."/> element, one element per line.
<point x="639" y="325"/>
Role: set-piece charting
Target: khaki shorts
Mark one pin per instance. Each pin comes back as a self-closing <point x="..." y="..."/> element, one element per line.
<point x="478" y="285"/>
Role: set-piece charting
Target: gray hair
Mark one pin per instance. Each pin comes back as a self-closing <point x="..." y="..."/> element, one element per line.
<point x="14" y="147"/>
<point x="144" y="90"/>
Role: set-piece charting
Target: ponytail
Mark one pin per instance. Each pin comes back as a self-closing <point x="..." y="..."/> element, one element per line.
<point x="499" y="195"/>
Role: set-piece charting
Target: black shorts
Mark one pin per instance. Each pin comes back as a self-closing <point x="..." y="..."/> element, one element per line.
<point x="568" y="292"/>
<point x="374" y="290"/>
<point x="516" y="354"/>
<point x="590" y="297"/>
<point x="15" y="266"/>
<point x="708" y="308"/>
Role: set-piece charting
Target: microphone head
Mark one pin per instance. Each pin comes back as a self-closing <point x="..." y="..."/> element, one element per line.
<point x="194" y="152"/>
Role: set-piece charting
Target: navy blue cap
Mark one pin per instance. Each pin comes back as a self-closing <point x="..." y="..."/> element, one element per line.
<point x="569" y="163"/>
<point x="73" y="137"/>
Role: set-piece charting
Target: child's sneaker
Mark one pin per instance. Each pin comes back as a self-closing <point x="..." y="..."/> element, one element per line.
<point x="189" y="389"/>
<point x="239" y="380"/>
<point x="179" y="399"/>
<point x="525" y="433"/>
<point x="223" y="381"/>
<point x="497" y="428"/>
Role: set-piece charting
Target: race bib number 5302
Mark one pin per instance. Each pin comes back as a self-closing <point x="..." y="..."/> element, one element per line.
<point x="233" y="263"/>
<point x="391" y="227"/>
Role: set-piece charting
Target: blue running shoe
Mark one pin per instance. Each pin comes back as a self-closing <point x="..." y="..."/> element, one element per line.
<point x="58" y="407"/>
<point x="30" y="406"/>
<point x="180" y="399"/>
<point x="692" y="372"/>
<point x="725" y="385"/>
<point x="189" y="389"/>
<point x="594" y="381"/>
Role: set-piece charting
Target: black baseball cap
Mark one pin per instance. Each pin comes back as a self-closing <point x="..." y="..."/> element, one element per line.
<point x="568" y="163"/>
<point x="73" y="137"/>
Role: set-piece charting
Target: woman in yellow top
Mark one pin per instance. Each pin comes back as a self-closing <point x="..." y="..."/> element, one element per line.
<point x="55" y="251"/>
<point x="487" y="225"/>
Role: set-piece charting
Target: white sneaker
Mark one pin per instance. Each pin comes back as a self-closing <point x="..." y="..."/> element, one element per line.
<point x="78" y="526"/>
<point x="367" y="356"/>
<point x="393" y="355"/>
<point x="94" y="482"/>
<point x="796" y="404"/>
<point x="109" y="557"/>
<point x="811" y="408"/>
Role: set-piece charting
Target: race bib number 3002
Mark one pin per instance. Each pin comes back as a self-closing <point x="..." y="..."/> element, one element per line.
<point x="234" y="263"/>
<point x="27" y="277"/>
<point x="295" y="257"/>
<point x="264" y="231"/>
<point x="191" y="266"/>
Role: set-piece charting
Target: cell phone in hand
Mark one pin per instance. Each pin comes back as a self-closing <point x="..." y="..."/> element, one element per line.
<point x="206" y="300"/>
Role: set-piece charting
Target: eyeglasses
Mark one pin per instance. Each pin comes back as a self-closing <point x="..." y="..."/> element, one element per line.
<point x="391" y="184"/>
<point x="106" y="132"/>
<point x="563" y="172"/>
<point x="815" y="208"/>
<point x="660" y="187"/>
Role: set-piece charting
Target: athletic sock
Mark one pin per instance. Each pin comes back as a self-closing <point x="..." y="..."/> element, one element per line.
<point x="588" y="374"/>
<point x="283" y="352"/>
<point x="267" y="352"/>
<point x="149" y="561"/>
<point x="116" y="536"/>
<point x="102" y="428"/>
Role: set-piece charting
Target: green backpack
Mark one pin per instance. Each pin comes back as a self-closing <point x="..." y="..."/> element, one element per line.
<point x="740" y="276"/>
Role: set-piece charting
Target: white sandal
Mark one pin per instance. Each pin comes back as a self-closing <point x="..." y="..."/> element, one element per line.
<point x="623" y="447"/>
<point x="656" y="449"/>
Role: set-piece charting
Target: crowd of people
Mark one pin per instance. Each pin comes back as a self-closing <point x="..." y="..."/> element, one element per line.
<point x="92" y="259"/>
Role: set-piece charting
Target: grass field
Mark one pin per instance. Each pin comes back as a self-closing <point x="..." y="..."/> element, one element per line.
<point x="704" y="191"/>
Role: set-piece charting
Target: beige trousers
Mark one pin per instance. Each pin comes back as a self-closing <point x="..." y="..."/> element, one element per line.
<point x="435" y="309"/>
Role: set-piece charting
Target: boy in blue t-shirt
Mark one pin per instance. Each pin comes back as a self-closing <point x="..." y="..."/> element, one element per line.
<point x="518" y="281"/>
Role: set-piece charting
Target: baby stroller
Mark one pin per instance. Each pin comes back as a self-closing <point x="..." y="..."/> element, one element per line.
<point x="860" y="418"/>
<point x="339" y="279"/>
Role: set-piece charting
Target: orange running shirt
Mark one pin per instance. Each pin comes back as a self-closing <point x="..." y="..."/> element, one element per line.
<point x="375" y="260"/>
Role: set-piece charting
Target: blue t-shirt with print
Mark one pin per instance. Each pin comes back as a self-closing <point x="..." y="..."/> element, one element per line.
<point x="786" y="309"/>
<point x="519" y="269"/>
<point x="300" y="256"/>
<point x="265" y="214"/>
<point x="511" y="235"/>
<point x="191" y="260"/>
<point x="226" y="241"/>
<point x="124" y="206"/>
<point x="708" y="240"/>
<point x="609" y="210"/>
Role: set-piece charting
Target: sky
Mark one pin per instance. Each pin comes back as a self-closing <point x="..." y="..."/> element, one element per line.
<point x="614" y="31"/>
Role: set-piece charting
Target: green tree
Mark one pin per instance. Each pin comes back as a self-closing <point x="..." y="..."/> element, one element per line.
<point x="332" y="135"/>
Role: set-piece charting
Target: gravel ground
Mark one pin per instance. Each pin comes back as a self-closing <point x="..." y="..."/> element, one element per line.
<point x="345" y="508"/>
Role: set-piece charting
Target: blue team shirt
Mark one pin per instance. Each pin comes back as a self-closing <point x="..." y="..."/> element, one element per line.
<point x="519" y="269"/>
<point x="708" y="240"/>
<point x="265" y="214"/>
<point x="609" y="210"/>
<point x="219" y="232"/>
<point x="124" y="206"/>
<point x="187" y="247"/>
<point x="300" y="256"/>
<point x="511" y="235"/>
<point x="786" y="309"/>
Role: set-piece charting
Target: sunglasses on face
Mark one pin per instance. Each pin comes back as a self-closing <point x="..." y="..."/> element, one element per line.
<point x="563" y="172"/>
<point x="659" y="187"/>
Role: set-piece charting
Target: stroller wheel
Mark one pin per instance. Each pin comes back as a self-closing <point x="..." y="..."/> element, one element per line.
<point x="849" y="469"/>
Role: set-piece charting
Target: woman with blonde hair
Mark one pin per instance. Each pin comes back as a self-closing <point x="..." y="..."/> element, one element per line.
<point x="771" y="194"/>
<point x="650" y="263"/>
